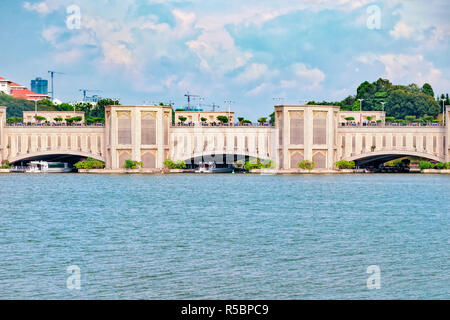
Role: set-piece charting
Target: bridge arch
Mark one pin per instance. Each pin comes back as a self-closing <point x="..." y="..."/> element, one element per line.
<point x="55" y="154"/>
<point x="382" y="156"/>
<point x="222" y="158"/>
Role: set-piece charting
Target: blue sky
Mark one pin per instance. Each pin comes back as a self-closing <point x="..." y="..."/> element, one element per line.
<point x="245" y="51"/>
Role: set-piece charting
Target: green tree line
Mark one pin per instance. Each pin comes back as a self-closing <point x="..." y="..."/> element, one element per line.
<point x="400" y="100"/>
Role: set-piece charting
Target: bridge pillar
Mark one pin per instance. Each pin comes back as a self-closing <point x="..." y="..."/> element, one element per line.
<point x="447" y="134"/>
<point x="306" y="132"/>
<point x="137" y="133"/>
<point x="2" y="134"/>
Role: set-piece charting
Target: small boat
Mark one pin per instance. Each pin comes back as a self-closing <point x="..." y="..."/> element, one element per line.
<point x="211" y="167"/>
<point x="47" y="167"/>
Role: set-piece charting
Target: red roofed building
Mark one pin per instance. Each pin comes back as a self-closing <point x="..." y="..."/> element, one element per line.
<point x="19" y="92"/>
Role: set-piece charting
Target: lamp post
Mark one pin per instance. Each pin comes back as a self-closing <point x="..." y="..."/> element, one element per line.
<point x="382" y="108"/>
<point x="229" y="108"/>
<point x="277" y="100"/>
<point x="360" y="111"/>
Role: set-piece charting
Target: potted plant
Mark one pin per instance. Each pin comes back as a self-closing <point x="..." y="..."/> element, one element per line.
<point x="182" y="120"/>
<point x="39" y="119"/>
<point x="262" y="121"/>
<point x="223" y="120"/>
<point x="349" y="119"/>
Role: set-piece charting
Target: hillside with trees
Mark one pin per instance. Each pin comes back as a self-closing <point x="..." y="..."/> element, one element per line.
<point x="400" y="101"/>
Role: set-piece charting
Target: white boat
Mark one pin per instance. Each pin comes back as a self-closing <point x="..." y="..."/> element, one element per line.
<point x="211" y="167"/>
<point x="50" y="167"/>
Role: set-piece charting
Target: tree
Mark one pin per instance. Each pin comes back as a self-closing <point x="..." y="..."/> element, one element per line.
<point x="222" y="119"/>
<point x="203" y="119"/>
<point x="99" y="109"/>
<point x="240" y="119"/>
<point x="262" y="120"/>
<point x="39" y="119"/>
<point x="272" y="118"/>
<point x="182" y="119"/>
<point x="427" y="89"/>
<point x="403" y="103"/>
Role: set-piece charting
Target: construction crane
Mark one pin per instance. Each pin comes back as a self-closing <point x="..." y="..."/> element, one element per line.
<point x="214" y="107"/>
<point x="52" y="73"/>
<point x="189" y="96"/>
<point x="87" y="90"/>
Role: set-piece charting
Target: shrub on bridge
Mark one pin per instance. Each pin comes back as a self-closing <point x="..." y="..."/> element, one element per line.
<point x="306" y="165"/>
<point x="89" y="163"/>
<point x="13" y="120"/>
<point x="257" y="164"/>
<point x="5" y="165"/>
<point x="132" y="164"/>
<point x="441" y="166"/>
<point x="170" y="164"/>
<point x="344" y="164"/>
<point x="423" y="165"/>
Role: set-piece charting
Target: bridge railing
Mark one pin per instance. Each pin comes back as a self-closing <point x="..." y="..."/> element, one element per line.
<point x="216" y="124"/>
<point x="53" y="125"/>
<point x="390" y="125"/>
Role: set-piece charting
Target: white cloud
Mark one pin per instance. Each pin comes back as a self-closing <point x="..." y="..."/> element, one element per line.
<point x="406" y="31"/>
<point x="44" y="7"/>
<point x="217" y="51"/>
<point x="407" y="68"/>
<point x="310" y="78"/>
<point x="52" y="33"/>
<point x="259" y="89"/>
<point x="116" y="54"/>
<point x="255" y="71"/>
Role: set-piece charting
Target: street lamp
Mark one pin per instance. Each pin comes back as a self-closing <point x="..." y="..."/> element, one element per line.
<point x="229" y="108"/>
<point x="384" y="118"/>
<point x="443" y="111"/>
<point x="360" y="111"/>
<point x="277" y="100"/>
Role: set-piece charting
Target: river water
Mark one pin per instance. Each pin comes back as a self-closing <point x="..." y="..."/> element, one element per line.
<point x="230" y="236"/>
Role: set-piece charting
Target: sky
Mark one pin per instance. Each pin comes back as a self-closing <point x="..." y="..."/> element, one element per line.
<point x="252" y="52"/>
